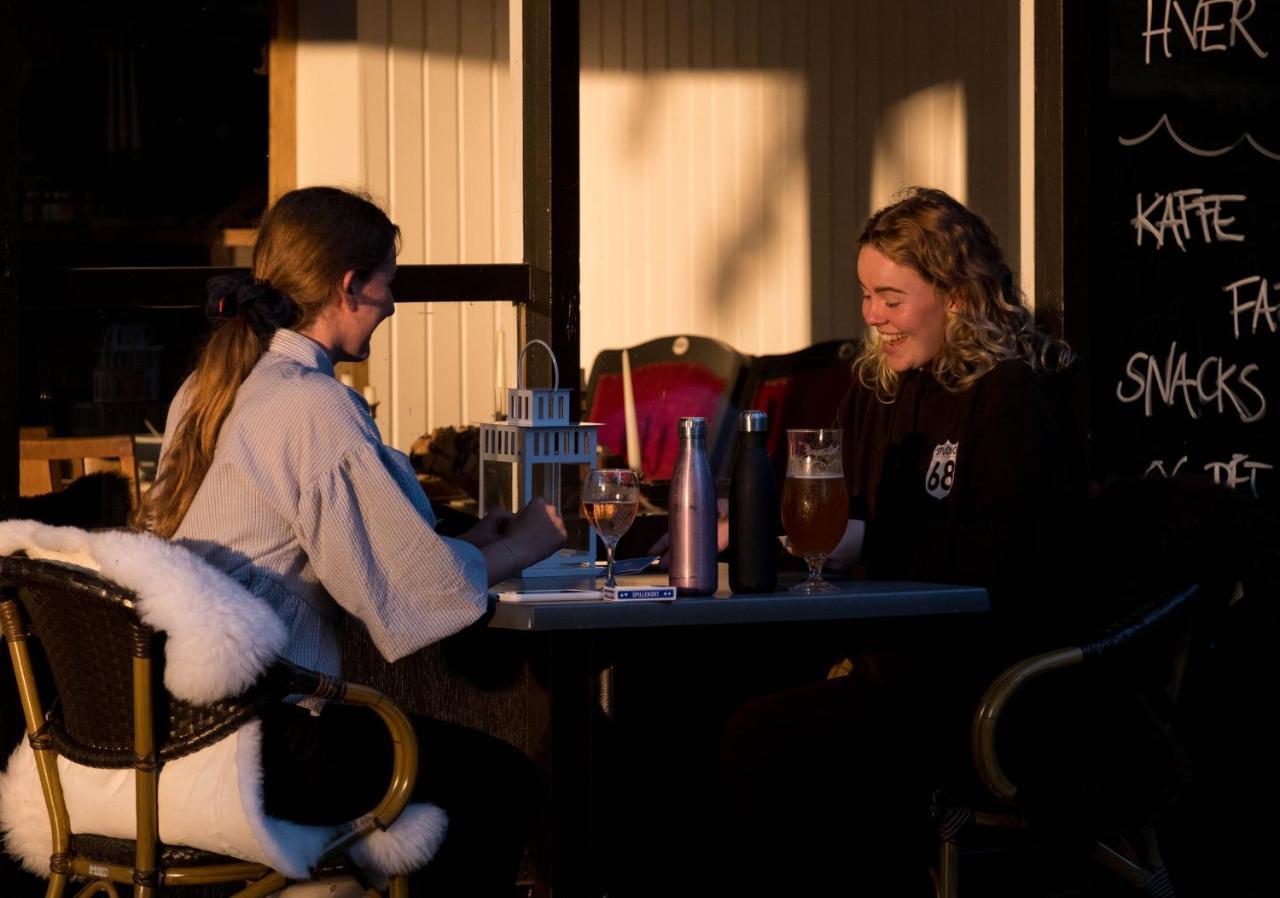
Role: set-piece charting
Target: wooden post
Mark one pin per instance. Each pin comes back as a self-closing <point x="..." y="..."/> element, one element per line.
<point x="8" y="258"/>
<point x="282" y="101"/>
<point x="1063" y="57"/>
<point x="551" y="230"/>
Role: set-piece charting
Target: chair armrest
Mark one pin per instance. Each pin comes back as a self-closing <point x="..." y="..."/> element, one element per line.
<point x="1124" y="631"/>
<point x="404" y="769"/>
<point x="986" y="719"/>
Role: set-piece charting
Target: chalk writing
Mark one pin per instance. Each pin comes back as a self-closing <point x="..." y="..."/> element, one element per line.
<point x="1157" y="467"/>
<point x="1215" y="384"/>
<point x="1239" y="471"/>
<point x="1209" y="18"/>
<point x="1260" y="305"/>
<point x="1163" y="123"/>
<point x="1172" y="214"/>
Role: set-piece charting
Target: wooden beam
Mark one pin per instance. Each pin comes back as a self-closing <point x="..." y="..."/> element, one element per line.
<point x="1084" y="66"/>
<point x="183" y="287"/>
<point x="9" y="183"/>
<point x="1066" y="62"/>
<point x="551" y="186"/>
<point x="282" y="101"/>
<point x="1049" y="157"/>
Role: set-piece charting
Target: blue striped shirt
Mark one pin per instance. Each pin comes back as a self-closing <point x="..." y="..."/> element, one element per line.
<point x="305" y="506"/>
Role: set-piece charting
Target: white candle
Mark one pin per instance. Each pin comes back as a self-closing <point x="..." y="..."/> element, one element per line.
<point x="629" y="410"/>
<point x="499" y="374"/>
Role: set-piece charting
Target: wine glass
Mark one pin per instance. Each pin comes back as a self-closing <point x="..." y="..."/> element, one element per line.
<point x="610" y="498"/>
<point x="815" y="502"/>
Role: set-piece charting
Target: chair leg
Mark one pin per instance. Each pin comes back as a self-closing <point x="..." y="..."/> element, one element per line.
<point x="1155" y="883"/>
<point x="949" y="822"/>
<point x="57" y="886"/>
<point x="948" y="885"/>
<point x="270" y="884"/>
<point x="398" y="887"/>
<point x="101" y="885"/>
<point x="1148" y="849"/>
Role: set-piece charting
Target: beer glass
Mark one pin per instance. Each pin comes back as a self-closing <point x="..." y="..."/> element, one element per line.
<point x="815" y="503"/>
<point x="610" y="498"/>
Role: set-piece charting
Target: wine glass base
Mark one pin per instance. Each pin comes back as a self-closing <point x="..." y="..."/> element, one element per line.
<point x="813" y="586"/>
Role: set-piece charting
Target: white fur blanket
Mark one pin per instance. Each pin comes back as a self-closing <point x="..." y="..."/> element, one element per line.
<point x="220" y="639"/>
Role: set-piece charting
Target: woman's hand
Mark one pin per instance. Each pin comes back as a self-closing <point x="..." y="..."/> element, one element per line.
<point x="527" y="538"/>
<point x="535" y="532"/>
<point x="489" y="528"/>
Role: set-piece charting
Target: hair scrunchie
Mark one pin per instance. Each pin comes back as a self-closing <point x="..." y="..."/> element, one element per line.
<point x="265" y="307"/>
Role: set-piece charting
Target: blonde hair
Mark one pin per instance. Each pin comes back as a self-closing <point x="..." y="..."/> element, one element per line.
<point x="306" y="243"/>
<point x="955" y="251"/>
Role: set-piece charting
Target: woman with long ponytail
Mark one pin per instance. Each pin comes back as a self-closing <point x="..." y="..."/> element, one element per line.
<point x="275" y="472"/>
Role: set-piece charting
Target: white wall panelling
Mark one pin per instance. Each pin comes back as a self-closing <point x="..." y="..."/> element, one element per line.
<point x="730" y="151"/>
<point x="412" y="100"/>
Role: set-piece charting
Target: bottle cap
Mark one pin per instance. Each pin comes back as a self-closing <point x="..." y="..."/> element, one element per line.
<point x="753" y="422"/>
<point x="693" y="428"/>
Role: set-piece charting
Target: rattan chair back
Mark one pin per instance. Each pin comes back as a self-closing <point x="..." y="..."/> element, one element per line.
<point x="107" y="707"/>
<point x="90" y="632"/>
<point x="1135" y="665"/>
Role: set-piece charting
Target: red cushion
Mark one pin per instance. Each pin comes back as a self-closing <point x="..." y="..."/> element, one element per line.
<point x="664" y="393"/>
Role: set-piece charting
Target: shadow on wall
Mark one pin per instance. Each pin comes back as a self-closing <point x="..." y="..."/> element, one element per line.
<point x="921" y="139"/>
<point x="859" y="100"/>
<point x="891" y="93"/>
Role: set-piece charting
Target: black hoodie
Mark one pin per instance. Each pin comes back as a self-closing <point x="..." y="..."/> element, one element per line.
<point x="981" y="487"/>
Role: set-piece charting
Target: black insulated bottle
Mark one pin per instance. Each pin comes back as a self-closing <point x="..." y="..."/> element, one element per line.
<point x="753" y="510"/>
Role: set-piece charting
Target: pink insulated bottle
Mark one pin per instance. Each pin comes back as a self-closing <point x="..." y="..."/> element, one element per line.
<point x="693" y="514"/>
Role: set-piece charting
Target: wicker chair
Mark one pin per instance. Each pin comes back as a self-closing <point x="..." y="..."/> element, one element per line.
<point x="111" y="710"/>
<point x="1131" y="852"/>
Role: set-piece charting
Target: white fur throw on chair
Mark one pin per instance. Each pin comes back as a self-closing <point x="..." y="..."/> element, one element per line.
<point x="220" y="639"/>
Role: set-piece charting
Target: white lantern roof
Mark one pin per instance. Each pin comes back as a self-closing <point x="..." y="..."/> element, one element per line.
<point x="529" y="407"/>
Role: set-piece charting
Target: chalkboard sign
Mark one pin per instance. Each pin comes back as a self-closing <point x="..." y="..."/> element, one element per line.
<point x="1184" y="242"/>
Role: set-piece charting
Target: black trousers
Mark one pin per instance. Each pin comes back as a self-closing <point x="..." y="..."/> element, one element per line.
<point x="336" y="766"/>
<point x="826" y="787"/>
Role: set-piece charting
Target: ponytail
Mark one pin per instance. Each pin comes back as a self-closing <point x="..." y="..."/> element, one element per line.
<point x="307" y="241"/>
<point x="226" y="360"/>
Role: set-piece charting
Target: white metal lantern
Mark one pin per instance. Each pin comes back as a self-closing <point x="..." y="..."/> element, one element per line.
<point x="539" y="452"/>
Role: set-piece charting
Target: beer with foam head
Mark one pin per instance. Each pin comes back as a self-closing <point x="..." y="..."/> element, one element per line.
<point x="815" y="502"/>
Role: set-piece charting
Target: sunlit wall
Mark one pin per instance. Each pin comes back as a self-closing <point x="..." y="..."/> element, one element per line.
<point x="732" y="150"/>
<point x="695" y="208"/>
<point x="412" y="100"/>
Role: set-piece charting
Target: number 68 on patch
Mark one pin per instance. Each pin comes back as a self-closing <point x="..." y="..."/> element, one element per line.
<point x="941" y="474"/>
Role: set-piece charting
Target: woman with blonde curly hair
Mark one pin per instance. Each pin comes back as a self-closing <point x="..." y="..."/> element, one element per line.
<point x="960" y="454"/>
<point x="963" y="466"/>
<point x="955" y="254"/>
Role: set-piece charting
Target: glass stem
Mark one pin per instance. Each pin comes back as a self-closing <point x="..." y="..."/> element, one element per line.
<point x="608" y="576"/>
<point x="815" y="567"/>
